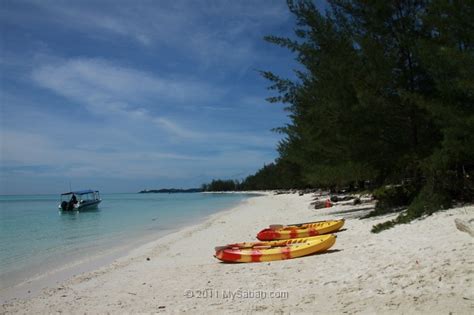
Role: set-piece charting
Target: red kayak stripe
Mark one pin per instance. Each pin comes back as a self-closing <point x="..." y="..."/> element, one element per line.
<point x="229" y="255"/>
<point x="286" y="251"/>
<point x="294" y="233"/>
<point x="313" y="232"/>
<point x="268" y="235"/>
<point x="255" y="255"/>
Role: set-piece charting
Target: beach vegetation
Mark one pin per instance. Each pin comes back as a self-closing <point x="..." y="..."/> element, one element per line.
<point x="221" y="185"/>
<point x="279" y="175"/>
<point x="383" y="94"/>
<point x="392" y="198"/>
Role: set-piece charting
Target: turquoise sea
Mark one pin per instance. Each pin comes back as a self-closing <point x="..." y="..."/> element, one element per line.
<point x="36" y="238"/>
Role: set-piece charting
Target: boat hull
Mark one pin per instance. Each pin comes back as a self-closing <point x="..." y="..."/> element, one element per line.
<point x="301" y="230"/>
<point x="89" y="205"/>
<point x="274" y="250"/>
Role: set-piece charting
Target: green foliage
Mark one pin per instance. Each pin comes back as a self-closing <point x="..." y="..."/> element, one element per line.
<point x="426" y="202"/>
<point x="350" y="121"/>
<point x="221" y="185"/>
<point x="393" y="198"/>
<point x="279" y="175"/>
<point x="383" y="226"/>
<point x="386" y="94"/>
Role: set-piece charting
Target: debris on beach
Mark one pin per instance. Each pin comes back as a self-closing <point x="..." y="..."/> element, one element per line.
<point x="464" y="226"/>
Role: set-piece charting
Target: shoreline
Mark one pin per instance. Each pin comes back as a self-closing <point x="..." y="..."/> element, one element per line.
<point x="398" y="270"/>
<point x="30" y="286"/>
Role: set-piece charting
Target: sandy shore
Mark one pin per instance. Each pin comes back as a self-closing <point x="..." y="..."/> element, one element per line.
<point x="423" y="267"/>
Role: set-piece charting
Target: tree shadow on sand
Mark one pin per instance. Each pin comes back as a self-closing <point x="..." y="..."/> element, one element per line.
<point x="354" y="213"/>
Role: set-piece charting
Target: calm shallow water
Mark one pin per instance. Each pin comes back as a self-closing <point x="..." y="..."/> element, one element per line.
<point x="35" y="237"/>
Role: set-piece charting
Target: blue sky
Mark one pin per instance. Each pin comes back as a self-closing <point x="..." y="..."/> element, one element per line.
<point x="126" y="95"/>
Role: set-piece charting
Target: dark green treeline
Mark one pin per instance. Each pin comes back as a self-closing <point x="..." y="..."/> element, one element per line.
<point x="384" y="95"/>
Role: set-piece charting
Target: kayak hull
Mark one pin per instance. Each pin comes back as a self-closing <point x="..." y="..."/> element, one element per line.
<point x="301" y="230"/>
<point x="274" y="250"/>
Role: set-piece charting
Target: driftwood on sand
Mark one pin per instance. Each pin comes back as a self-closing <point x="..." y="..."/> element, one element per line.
<point x="464" y="226"/>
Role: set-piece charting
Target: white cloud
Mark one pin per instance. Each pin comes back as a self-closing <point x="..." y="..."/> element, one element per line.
<point x="213" y="33"/>
<point x="108" y="89"/>
<point x="197" y="119"/>
<point x="176" y="129"/>
<point x="36" y="152"/>
<point x="27" y="149"/>
<point x="105" y="87"/>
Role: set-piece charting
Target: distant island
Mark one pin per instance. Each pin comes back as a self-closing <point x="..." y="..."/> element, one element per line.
<point x="170" y="191"/>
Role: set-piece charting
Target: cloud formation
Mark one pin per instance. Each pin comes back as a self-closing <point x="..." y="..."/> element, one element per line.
<point x="120" y="92"/>
<point x="105" y="87"/>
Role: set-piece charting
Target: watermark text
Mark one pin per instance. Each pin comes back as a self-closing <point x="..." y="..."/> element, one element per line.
<point x="209" y="293"/>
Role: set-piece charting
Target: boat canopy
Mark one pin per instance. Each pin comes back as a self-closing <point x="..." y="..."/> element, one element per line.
<point x="80" y="192"/>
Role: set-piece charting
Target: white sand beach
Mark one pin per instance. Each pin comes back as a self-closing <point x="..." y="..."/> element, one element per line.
<point x="423" y="267"/>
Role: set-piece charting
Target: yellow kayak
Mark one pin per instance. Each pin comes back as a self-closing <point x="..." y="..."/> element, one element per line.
<point x="274" y="250"/>
<point x="280" y="232"/>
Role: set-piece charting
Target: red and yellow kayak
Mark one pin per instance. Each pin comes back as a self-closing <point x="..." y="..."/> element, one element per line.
<point x="274" y="250"/>
<point x="280" y="232"/>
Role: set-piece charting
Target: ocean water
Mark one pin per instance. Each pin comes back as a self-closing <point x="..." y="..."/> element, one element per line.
<point x="36" y="238"/>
